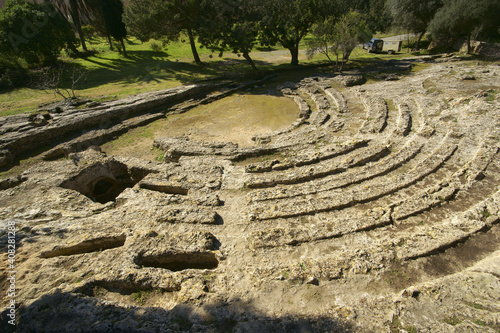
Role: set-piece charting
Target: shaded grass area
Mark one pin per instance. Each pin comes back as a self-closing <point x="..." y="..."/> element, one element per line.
<point x="111" y="75"/>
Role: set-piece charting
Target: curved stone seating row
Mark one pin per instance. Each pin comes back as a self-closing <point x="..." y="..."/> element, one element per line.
<point x="377" y="113"/>
<point x="281" y="236"/>
<point x="380" y="167"/>
<point x="405" y="120"/>
<point x="421" y="242"/>
<point x="178" y="147"/>
<point x="322" y="114"/>
<point x="364" y="192"/>
<point x="349" y="177"/>
<point x="381" y="216"/>
<point x="447" y="188"/>
<point x="325" y="115"/>
<point x="338" y="99"/>
<point x="307" y="156"/>
<point x="427" y="240"/>
<point x="320" y="169"/>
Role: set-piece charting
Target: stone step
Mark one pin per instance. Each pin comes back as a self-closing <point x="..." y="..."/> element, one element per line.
<point x="448" y="188"/>
<point x="427" y="240"/>
<point x="349" y="177"/>
<point x="405" y="120"/>
<point x="320" y="169"/>
<point x="381" y="216"/>
<point x="378" y="251"/>
<point x="376" y="113"/>
<point x="281" y="236"/>
<point x="307" y="156"/>
<point x="338" y="99"/>
<point x="364" y="192"/>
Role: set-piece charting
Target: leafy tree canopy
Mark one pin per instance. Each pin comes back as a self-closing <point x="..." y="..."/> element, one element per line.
<point x="148" y="19"/>
<point x="108" y="19"/>
<point x="460" y="18"/>
<point x="413" y="16"/>
<point x="36" y="33"/>
<point x="288" y="21"/>
<point x="231" y="24"/>
<point x="333" y="37"/>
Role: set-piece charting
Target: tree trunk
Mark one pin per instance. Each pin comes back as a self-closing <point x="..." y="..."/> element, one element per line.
<point x="418" y="40"/>
<point x="75" y="14"/>
<point x="193" y="47"/>
<point x="294" y="51"/>
<point x="346" y="56"/>
<point x="250" y="61"/>
<point x="468" y="44"/>
<point x="124" y="49"/>
<point x="110" y="43"/>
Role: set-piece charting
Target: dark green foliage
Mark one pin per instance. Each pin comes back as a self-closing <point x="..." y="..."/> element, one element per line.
<point x="339" y="37"/>
<point x="33" y="32"/>
<point x="377" y="16"/>
<point x="231" y="24"/>
<point x="165" y="19"/>
<point x="288" y="21"/>
<point x="463" y="19"/>
<point x="77" y="9"/>
<point x="108" y="19"/>
<point x="146" y="19"/>
<point x="413" y="16"/>
<point x="113" y="11"/>
<point x="12" y="73"/>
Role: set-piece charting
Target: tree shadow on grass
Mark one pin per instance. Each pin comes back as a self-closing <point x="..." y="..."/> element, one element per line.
<point x="139" y="66"/>
<point x="68" y="312"/>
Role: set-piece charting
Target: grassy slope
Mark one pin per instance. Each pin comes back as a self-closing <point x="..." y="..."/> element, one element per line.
<point x="111" y="75"/>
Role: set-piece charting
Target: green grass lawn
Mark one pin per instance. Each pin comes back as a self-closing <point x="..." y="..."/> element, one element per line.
<point x="109" y="74"/>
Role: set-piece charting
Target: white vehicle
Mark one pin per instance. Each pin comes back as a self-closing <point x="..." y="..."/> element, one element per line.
<point x="377" y="45"/>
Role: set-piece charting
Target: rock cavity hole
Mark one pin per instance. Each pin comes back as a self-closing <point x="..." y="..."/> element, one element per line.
<point x="180" y="261"/>
<point x="103" y="182"/>
<point x="93" y="245"/>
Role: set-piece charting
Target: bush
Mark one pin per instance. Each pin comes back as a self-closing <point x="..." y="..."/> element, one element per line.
<point x="12" y="73"/>
<point x="88" y="31"/>
<point x="156" y="47"/>
<point x="36" y="33"/>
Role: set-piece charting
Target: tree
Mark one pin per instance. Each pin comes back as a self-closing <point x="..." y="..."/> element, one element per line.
<point x="232" y="24"/>
<point x="108" y="19"/>
<point x="458" y="19"/>
<point x="146" y="19"/>
<point x="413" y="16"/>
<point x="113" y="17"/>
<point x="36" y="33"/>
<point x="288" y="21"/>
<point x="336" y="37"/>
<point x="165" y="19"/>
<point x="376" y="14"/>
<point x="324" y="40"/>
<point x="76" y="9"/>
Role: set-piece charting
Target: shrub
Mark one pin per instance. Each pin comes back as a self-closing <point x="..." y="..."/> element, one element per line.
<point x="156" y="47"/>
<point x="88" y="31"/>
<point x="36" y="33"/>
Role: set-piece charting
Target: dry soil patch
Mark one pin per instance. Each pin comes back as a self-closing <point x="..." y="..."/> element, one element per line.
<point x="236" y="119"/>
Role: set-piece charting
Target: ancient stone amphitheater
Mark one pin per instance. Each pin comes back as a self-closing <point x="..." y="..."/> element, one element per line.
<point x="375" y="211"/>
